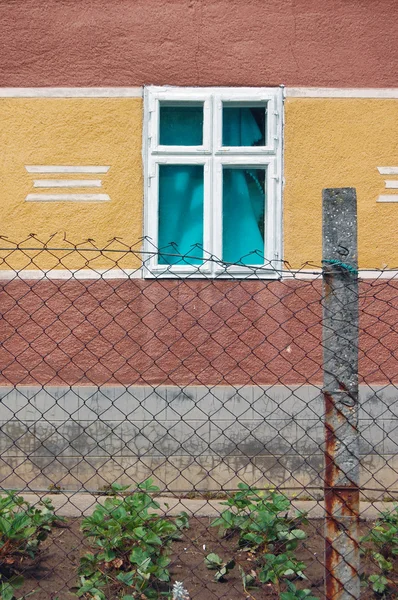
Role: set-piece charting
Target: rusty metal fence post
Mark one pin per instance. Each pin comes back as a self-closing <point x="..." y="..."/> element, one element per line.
<point x="340" y="351"/>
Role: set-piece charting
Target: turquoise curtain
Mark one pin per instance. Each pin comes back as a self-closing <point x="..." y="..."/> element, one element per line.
<point x="180" y="227"/>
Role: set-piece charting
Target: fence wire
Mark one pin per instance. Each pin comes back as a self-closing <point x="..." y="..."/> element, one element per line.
<point x="163" y="434"/>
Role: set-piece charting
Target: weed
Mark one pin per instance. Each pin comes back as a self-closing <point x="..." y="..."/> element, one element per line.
<point x="179" y="592"/>
<point x="54" y="488"/>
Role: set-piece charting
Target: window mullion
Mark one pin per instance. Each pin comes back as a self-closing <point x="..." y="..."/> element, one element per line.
<point x="217" y="208"/>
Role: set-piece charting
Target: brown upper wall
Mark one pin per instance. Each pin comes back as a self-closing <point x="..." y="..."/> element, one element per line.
<point x="337" y="43"/>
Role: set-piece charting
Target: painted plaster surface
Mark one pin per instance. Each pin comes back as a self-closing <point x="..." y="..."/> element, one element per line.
<point x="328" y="143"/>
<point x="199" y="42"/>
<point x="340" y="143"/>
<point x="199" y="437"/>
<point x="181" y="332"/>
<point x="71" y="132"/>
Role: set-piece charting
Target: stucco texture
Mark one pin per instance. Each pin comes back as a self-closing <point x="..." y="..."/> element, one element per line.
<point x="97" y="132"/>
<point x="340" y="143"/>
<point x="182" y="332"/>
<point x="199" y="42"/>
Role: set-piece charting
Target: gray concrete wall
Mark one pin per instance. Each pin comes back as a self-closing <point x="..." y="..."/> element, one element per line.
<point x="195" y="438"/>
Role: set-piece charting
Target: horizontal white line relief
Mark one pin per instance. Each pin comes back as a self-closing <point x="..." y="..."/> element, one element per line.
<point x="49" y="184"/>
<point x="388" y="198"/>
<point x="73" y="92"/>
<point x="65" y="169"/>
<point x="67" y="198"/>
<point x="388" y="170"/>
<point x="67" y="183"/>
<point x="10" y="274"/>
<point x="320" y="92"/>
<point x="137" y="92"/>
<point x="391" y="184"/>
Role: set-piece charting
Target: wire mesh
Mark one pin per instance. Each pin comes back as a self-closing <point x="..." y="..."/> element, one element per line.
<point x="164" y="435"/>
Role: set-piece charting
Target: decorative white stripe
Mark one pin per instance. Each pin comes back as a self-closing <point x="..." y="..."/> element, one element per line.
<point x="391" y="184"/>
<point x="318" y="92"/>
<point x="388" y="198"/>
<point x="7" y="275"/>
<point x="388" y="170"/>
<point x="137" y="92"/>
<point x="62" y="92"/>
<point x="65" y="169"/>
<point x="362" y="274"/>
<point x="36" y="274"/>
<point x="67" y="198"/>
<point x="67" y="183"/>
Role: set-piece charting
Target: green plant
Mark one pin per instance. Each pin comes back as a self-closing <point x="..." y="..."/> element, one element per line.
<point x="292" y="593"/>
<point x="264" y="528"/>
<point x="379" y="583"/>
<point x="277" y="567"/>
<point x="179" y="592"/>
<point x="23" y="527"/>
<point x="131" y="544"/>
<point x="381" y="544"/>
<point x="215" y="562"/>
<point x="261" y="520"/>
<point x="7" y="588"/>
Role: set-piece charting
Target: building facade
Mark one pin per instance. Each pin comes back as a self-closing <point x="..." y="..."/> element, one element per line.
<point x="209" y="128"/>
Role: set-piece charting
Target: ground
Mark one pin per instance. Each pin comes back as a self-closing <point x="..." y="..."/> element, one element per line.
<point x="53" y="577"/>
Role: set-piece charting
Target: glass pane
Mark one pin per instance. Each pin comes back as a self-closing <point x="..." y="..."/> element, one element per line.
<point x="244" y="202"/>
<point x="181" y="214"/>
<point x="181" y="125"/>
<point x="243" y="125"/>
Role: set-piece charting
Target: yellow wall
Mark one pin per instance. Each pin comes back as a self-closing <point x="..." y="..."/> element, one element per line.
<point x="71" y="131"/>
<point x="340" y="143"/>
<point x="329" y="142"/>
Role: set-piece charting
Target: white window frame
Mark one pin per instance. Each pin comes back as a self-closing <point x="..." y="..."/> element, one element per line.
<point x="213" y="156"/>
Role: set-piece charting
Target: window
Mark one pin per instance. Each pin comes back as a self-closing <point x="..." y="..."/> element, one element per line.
<point x="213" y="179"/>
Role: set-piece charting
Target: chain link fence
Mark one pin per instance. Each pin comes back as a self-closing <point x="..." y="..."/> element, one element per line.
<point x="164" y="435"/>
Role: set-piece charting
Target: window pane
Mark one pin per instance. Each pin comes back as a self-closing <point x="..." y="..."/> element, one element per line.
<point x="244" y="201"/>
<point x="181" y="125"/>
<point x="243" y="125"/>
<point x="181" y="213"/>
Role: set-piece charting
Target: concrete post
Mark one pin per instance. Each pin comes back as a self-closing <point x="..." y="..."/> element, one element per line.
<point x="340" y="354"/>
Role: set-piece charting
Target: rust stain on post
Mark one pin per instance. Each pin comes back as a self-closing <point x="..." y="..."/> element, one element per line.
<point x="340" y="342"/>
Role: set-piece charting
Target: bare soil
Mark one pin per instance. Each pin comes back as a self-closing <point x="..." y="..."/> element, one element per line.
<point x="52" y="576"/>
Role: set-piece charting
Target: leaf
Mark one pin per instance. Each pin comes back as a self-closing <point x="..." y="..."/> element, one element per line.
<point x="380" y="583"/>
<point x="220" y="574"/>
<point x="126" y="578"/>
<point x="248" y="579"/>
<point x="17" y="581"/>
<point x="118" y="487"/>
<point x="5" y="526"/>
<point x="213" y="561"/>
<point x="137" y="556"/>
<point x="163" y="575"/>
<point x="148" y="486"/>
<point x="109" y="555"/>
<point x="6" y="591"/>
<point x="298" y="534"/>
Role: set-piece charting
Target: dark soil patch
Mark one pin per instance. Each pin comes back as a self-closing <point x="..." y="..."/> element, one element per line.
<point x="53" y="575"/>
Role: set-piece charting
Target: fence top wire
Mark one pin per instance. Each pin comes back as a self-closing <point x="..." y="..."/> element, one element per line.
<point x="116" y="253"/>
<point x="115" y="250"/>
